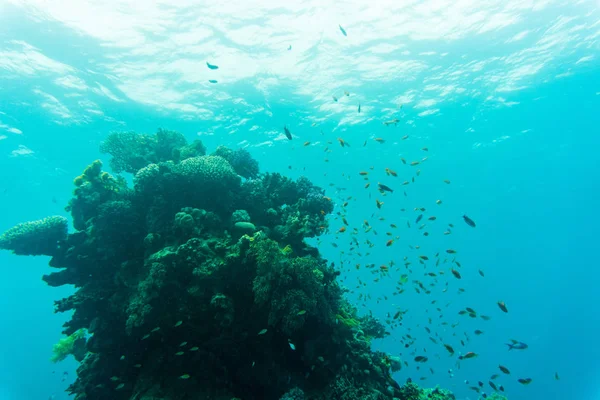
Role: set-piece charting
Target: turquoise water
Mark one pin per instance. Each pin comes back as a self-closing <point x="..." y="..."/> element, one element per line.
<point x="505" y="97"/>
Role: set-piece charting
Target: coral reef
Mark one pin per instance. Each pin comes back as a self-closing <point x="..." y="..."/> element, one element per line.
<point x="35" y="238"/>
<point x="196" y="284"/>
<point x="74" y="344"/>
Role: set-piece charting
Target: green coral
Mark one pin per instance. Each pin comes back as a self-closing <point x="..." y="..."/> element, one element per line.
<point x="93" y="188"/>
<point x="287" y="285"/>
<point x="70" y="345"/>
<point x="132" y="151"/>
<point x="35" y="238"/>
<point x="241" y="161"/>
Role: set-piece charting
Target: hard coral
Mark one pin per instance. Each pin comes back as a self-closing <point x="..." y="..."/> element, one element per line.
<point x="35" y="238"/>
<point x="241" y="161"/>
<point x="93" y="188"/>
<point x="132" y="151"/>
<point x="180" y="305"/>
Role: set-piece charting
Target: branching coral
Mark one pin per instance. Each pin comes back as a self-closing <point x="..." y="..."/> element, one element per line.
<point x="35" y="237"/>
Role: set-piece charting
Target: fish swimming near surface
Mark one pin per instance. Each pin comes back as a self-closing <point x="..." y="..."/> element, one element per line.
<point x="343" y="31"/>
<point x="211" y="66"/>
<point x="359" y="108"/>
<point x="516" y="345"/>
<point x="391" y="122"/>
<point x="469" y="221"/>
<point x="287" y="132"/>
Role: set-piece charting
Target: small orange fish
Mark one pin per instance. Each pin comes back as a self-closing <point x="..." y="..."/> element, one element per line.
<point x="342" y="142"/>
<point x="342" y="229"/>
<point x="391" y="172"/>
<point x="389" y="242"/>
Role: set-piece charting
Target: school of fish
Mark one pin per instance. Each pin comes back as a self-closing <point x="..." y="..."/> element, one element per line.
<point x="428" y="274"/>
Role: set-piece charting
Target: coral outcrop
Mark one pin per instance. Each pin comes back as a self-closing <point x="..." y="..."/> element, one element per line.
<point x="197" y="284"/>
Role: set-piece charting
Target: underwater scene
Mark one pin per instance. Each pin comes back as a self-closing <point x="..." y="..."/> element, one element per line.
<point x="300" y="200"/>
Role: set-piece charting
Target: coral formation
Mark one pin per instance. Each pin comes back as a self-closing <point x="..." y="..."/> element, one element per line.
<point x="36" y="238"/>
<point x="74" y="344"/>
<point x="196" y="284"/>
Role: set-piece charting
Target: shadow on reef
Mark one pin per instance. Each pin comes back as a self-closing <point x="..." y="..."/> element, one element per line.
<point x="197" y="283"/>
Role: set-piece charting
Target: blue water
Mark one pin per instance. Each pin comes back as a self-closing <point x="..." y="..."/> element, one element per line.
<point x="522" y="162"/>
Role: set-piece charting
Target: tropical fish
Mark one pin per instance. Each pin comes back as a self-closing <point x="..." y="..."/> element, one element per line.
<point x="525" y="381"/>
<point x="419" y="218"/>
<point x="504" y="369"/>
<point x="391" y="122"/>
<point x="211" y="66"/>
<point x="359" y="108"/>
<point x="449" y="348"/>
<point x="287" y="132"/>
<point x="212" y="80"/>
<point x="343" y="31"/>
<point x="469" y="221"/>
<point x="384" y="188"/>
<point x="502" y="306"/>
<point x="421" y="359"/>
<point x="468" y="355"/>
<point x="515" y="344"/>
